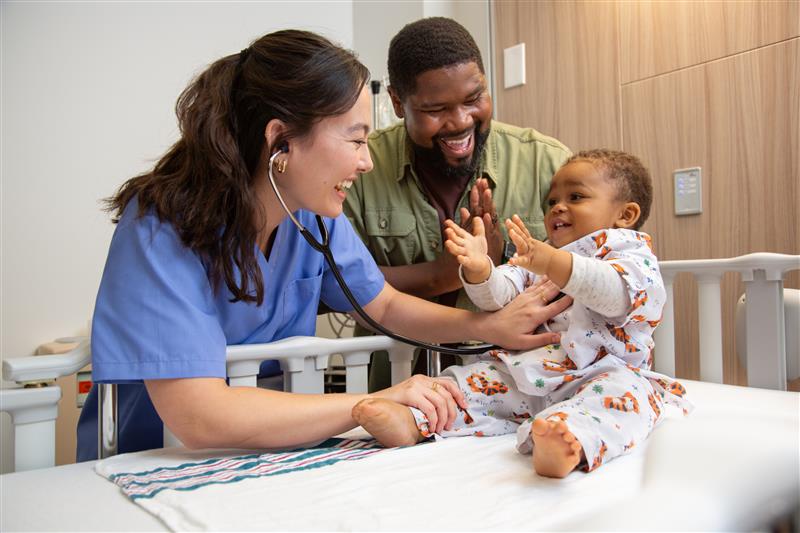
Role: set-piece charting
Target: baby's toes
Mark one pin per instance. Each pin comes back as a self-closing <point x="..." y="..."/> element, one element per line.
<point x="560" y="428"/>
<point x="540" y="427"/>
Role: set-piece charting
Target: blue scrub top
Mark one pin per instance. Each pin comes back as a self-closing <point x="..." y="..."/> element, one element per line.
<point x="158" y="316"/>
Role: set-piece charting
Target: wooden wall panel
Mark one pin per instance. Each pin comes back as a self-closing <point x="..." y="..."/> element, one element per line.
<point x="737" y="119"/>
<point x="754" y="119"/>
<point x="570" y="47"/>
<point x="717" y="87"/>
<point x="657" y="37"/>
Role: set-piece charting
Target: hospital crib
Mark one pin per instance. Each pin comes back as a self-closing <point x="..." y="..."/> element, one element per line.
<point x="33" y="409"/>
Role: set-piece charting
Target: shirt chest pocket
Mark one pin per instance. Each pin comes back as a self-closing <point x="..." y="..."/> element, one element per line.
<point x="300" y="303"/>
<point x="392" y="236"/>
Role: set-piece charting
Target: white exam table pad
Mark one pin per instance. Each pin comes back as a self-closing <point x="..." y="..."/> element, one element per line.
<point x="732" y="464"/>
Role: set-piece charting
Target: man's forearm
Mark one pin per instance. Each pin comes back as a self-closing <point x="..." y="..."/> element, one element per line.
<point x="424" y="280"/>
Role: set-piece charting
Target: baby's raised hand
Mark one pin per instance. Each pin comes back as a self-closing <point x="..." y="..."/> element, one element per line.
<point x="469" y="249"/>
<point x="532" y="254"/>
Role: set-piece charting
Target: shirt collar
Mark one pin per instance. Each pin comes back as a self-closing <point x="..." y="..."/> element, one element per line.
<point x="404" y="156"/>
<point x="490" y="162"/>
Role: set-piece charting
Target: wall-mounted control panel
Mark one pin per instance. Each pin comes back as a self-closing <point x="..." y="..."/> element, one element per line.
<point x="688" y="191"/>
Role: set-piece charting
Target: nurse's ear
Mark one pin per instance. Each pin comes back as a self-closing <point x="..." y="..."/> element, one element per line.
<point x="274" y="136"/>
<point x="274" y="133"/>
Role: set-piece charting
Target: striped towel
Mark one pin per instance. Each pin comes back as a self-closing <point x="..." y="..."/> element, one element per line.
<point x="194" y="475"/>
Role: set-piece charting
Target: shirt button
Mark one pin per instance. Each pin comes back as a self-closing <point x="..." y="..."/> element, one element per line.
<point x="383" y="223"/>
<point x="434" y="245"/>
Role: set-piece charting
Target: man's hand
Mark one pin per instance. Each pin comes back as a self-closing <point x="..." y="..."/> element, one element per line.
<point x="481" y="205"/>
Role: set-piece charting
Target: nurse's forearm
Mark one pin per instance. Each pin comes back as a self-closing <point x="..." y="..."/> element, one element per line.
<point x="420" y="319"/>
<point x="207" y="413"/>
<point x="425" y="280"/>
<point x="511" y="327"/>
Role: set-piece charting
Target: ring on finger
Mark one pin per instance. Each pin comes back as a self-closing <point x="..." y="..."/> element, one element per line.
<point x="544" y="298"/>
<point x="434" y="385"/>
<point x="494" y="218"/>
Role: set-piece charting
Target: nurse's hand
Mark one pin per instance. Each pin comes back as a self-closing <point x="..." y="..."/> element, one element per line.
<point x="511" y="327"/>
<point x="437" y="398"/>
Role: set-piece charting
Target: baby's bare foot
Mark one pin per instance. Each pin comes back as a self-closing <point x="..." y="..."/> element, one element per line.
<point x="556" y="452"/>
<point x="389" y="422"/>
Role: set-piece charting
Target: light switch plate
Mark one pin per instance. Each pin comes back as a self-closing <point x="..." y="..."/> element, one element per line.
<point x="514" y="66"/>
<point x="688" y="191"/>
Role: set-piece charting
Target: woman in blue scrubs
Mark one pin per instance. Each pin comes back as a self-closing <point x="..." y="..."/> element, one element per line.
<point x="204" y="256"/>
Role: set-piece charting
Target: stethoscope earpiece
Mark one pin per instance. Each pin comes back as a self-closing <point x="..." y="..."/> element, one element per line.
<point x="282" y="150"/>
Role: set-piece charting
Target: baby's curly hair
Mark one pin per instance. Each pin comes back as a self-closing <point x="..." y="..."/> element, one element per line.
<point x="631" y="176"/>
<point x="428" y="44"/>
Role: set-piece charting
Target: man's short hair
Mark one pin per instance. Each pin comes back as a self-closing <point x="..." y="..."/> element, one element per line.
<point x="428" y="44"/>
<point x="627" y="172"/>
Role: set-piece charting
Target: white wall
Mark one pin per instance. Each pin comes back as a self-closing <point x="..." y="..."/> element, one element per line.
<point x="376" y="22"/>
<point x="88" y="94"/>
<point x="475" y="15"/>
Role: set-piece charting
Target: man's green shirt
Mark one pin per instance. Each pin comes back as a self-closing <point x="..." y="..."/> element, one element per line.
<point x="390" y="210"/>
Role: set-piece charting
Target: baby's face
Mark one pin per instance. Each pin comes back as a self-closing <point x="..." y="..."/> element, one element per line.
<point x="581" y="201"/>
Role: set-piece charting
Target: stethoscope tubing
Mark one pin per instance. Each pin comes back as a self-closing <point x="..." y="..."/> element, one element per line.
<point x="325" y="249"/>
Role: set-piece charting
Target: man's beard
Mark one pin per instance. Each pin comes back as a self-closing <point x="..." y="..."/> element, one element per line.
<point x="433" y="158"/>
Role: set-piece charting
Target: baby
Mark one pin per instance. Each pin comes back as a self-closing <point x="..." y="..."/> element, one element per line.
<point x="592" y="397"/>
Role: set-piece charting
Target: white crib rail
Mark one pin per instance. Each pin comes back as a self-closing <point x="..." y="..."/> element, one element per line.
<point x="762" y="274"/>
<point x="304" y="359"/>
<point x="34" y="409"/>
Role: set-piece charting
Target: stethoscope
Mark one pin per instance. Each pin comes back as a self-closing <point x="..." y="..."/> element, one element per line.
<point x="325" y="249"/>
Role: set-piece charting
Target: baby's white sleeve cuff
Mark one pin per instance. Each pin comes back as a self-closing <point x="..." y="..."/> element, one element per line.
<point x="489" y="295"/>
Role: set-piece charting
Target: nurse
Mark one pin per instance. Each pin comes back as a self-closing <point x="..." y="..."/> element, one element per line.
<point x="204" y="256"/>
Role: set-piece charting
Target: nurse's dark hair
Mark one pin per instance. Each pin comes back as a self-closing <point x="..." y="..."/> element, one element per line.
<point x="428" y="44"/>
<point x="627" y="172"/>
<point x="204" y="185"/>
